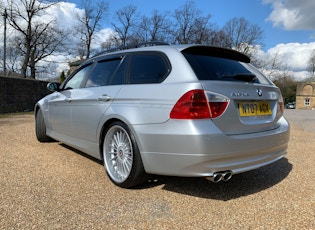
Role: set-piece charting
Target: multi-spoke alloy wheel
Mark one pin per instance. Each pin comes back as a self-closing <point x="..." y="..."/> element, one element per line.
<point x="122" y="160"/>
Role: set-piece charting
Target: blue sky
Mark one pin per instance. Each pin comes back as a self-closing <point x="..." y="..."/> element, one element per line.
<point x="288" y="25"/>
<point x="277" y="29"/>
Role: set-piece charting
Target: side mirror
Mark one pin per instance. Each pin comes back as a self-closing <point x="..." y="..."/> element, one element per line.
<point x="53" y="86"/>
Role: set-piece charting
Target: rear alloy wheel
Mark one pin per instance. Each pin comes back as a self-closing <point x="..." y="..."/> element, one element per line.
<point x="122" y="159"/>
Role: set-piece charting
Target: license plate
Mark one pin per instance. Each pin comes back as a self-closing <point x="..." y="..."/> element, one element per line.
<point x="254" y="108"/>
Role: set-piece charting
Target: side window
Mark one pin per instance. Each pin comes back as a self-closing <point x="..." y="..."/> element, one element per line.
<point x="148" y="68"/>
<point x="76" y="80"/>
<point x="102" y="73"/>
<point x="119" y="77"/>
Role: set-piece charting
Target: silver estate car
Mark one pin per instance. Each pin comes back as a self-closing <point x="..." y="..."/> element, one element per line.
<point x="177" y="110"/>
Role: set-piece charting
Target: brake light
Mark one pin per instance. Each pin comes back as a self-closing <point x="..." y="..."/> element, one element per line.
<point x="192" y="105"/>
<point x="281" y="104"/>
<point x="196" y="104"/>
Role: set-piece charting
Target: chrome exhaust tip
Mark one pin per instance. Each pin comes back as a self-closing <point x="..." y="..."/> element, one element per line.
<point x="220" y="176"/>
<point x="227" y="175"/>
<point x="217" y="177"/>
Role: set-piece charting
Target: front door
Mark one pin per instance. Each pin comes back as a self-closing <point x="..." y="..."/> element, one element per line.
<point x="59" y="104"/>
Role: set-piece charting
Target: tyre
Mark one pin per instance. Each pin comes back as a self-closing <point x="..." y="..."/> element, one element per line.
<point x="122" y="160"/>
<point x="40" y="128"/>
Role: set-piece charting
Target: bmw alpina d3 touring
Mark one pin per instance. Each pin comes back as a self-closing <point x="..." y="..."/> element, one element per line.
<point x="178" y="110"/>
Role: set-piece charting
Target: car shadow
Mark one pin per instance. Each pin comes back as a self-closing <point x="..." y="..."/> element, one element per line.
<point x="81" y="153"/>
<point x="243" y="184"/>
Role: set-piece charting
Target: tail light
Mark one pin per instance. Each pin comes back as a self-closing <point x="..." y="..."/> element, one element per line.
<point x="218" y="104"/>
<point x="280" y="104"/>
<point x="196" y="104"/>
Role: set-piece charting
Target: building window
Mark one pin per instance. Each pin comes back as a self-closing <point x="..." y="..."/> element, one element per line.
<point x="307" y="102"/>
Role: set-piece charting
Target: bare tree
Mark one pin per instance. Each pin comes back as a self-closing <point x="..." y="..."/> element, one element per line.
<point x="13" y="58"/>
<point x="218" y="38"/>
<point x="271" y="65"/>
<point x="125" y="25"/>
<point x="154" y="28"/>
<point x="190" y="26"/>
<point x="311" y="64"/>
<point x="241" y="35"/>
<point x="36" y="39"/>
<point x="287" y="86"/>
<point x="202" y="30"/>
<point x="89" y="22"/>
<point x="50" y="41"/>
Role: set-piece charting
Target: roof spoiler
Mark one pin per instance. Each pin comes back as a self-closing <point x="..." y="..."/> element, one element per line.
<point x="217" y="52"/>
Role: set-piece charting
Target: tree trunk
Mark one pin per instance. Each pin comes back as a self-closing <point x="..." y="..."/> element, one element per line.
<point x="32" y="64"/>
<point x="24" y="65"/>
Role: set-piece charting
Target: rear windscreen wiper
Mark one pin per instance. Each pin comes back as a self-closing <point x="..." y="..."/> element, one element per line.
<point x="248" y="77"/>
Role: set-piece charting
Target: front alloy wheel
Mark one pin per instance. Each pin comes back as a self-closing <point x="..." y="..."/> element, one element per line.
<point x="122" y="159"/>
<point x="40" y="127"/>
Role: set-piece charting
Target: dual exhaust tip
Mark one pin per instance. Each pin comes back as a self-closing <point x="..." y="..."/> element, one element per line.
<point x="220" y="176"/>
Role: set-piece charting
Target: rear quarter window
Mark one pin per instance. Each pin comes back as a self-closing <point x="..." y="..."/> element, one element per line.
<point x="146" y="68"/>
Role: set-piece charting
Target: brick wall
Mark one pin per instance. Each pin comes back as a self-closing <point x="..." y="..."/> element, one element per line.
<point x="19" y="94"/>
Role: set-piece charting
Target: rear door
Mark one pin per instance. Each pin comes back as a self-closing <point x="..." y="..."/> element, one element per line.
<point x="90" y="102"/>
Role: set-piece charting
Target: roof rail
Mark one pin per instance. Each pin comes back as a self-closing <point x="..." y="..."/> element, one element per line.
<point x="131" y="46"/>
<point x="154" y="43"/>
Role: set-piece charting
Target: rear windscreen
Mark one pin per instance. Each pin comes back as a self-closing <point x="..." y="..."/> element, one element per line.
<point x="223" y="69"/>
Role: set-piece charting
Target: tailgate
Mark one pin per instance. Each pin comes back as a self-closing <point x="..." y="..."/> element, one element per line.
<point x="252" y="107"/>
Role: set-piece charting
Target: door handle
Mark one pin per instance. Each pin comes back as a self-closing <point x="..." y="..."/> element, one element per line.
<point x="68" y="99"/>
<point x="103" y="98"/>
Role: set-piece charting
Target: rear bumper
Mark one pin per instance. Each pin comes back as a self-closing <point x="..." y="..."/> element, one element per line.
<point x="198" y="148"/>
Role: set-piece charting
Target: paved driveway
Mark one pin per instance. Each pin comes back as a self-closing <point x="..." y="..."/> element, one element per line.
<point x="51" y="186"/>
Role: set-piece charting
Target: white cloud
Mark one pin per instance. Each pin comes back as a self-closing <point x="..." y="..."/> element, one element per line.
<point x="301" y="75"/>
<point x="66" y="17"/>
<point x="292" y="56"/>
<point x="101" y="37"/>
<point x="65" y="14"/>
<point x="292" y="14"/>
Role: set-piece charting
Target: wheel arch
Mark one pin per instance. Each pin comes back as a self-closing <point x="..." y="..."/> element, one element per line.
<point x="105" y="127"/>
<point x="36" y="108"/>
